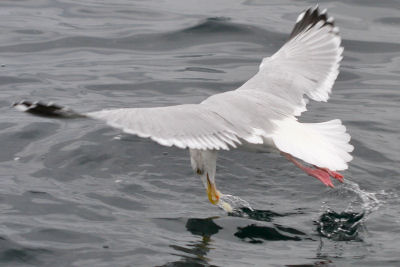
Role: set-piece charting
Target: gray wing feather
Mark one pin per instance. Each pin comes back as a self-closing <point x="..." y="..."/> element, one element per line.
<point x="192" y="126"/>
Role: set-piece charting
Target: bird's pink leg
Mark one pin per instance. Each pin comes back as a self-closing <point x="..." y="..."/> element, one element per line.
<point x="333" y="174"/>
<point x="319" y="173"/>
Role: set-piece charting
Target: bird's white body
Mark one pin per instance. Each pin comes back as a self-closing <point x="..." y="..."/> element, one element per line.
<point x="267" y="146"/>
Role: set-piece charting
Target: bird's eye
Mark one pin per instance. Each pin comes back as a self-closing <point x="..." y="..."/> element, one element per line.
<point x="199" y="171"/>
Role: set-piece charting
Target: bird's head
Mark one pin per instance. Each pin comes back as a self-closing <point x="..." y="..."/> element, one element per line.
<point x="204" y="164"/>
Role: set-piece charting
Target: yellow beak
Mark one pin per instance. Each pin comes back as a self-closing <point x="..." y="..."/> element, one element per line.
<point x="212" y="192"/>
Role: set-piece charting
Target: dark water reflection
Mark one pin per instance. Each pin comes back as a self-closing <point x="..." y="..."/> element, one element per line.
<point x="255" y="234"/>
<point x="198" y="250"/>
<point x="14" y="253"/>
<point x="342" y="226"/>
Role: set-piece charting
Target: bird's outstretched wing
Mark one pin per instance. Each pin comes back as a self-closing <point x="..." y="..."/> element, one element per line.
<point x="221" y="121"/>
<point x="307" y="64"/>
<point x="185" y="126"/>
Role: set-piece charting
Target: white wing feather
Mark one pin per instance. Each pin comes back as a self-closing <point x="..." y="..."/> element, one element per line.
<point x="307" y="64"/>
<point x="183" y="126"/>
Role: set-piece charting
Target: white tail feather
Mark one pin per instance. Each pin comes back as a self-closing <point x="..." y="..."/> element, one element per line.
<point x="324" y="144"/>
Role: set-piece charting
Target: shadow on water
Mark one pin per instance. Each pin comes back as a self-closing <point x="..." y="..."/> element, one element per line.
<point x="198" y="249"/>
<point x="252" y="233"/>
<point x="255" y="234"/>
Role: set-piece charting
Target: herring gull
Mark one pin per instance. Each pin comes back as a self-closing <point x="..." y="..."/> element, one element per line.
<point x="261" y="115"/>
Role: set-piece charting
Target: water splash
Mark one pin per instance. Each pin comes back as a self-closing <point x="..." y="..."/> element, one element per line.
<point x="345" y="226"/>
<point x="340" y="226"/>
<point x="369" y="201"/>
<point x="231" y="204"/>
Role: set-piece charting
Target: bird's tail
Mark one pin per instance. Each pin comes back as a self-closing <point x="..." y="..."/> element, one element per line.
<point x="49" y="110"/>
<point x="324" y="144"/>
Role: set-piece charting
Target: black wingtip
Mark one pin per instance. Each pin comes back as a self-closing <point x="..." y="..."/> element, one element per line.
<point x="309" y="18"/>
<point x="49" y="110"/>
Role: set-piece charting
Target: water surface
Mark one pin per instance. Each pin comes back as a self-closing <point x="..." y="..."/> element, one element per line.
<point x="77" y="193"/>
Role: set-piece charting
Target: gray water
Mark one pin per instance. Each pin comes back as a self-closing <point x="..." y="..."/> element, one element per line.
<point x="77" y="193"/>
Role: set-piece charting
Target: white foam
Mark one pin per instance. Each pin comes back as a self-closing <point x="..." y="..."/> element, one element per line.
<point x="231" y="203"/>
<point x="369" y="200"/>
<point x="21" y="107"/>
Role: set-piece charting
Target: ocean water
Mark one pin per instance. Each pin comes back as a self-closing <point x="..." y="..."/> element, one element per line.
<point x="77" y="193"/>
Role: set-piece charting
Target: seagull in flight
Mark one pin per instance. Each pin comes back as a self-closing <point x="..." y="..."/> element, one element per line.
<point x="261" y="115"/>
